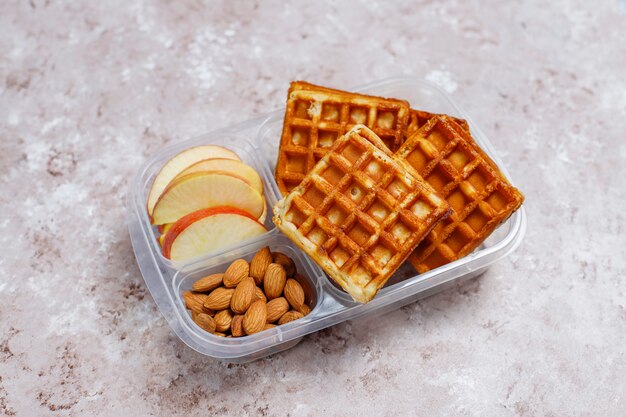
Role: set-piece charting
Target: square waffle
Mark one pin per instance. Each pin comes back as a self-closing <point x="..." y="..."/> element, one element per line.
<point x="359" y="213"/>
<point x="481" y="198"/>
<point x="315" y="117"/>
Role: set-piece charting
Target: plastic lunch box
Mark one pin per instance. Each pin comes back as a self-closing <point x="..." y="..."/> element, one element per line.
<point x="256" y="142"/>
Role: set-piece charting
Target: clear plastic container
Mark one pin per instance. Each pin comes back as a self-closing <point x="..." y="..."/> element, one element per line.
<point x="256" y="142"/>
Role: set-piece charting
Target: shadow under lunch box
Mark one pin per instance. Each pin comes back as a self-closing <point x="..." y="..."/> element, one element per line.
<point x="256" y="142"/>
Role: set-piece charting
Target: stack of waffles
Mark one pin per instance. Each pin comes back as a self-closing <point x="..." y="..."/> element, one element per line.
<point x="369" y="182"/>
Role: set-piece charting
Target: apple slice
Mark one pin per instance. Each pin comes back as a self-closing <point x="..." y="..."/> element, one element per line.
<point x="208" y="230"/>
<point x="263" y="215"/>
<point x="204" y="190"/>
<point x="163" y="228"/>
<point x="181" y="161"/>
<point x="229" y="166"/>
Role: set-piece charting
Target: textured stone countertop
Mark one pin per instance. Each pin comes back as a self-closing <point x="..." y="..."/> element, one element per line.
<point x="90" y="90"/>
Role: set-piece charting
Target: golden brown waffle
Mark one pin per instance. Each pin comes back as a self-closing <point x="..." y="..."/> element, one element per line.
<point x="359" y="213"/>
<point x="316" y="117"/>
<point x="418" y="118"/>
<point x="447" y="157"/>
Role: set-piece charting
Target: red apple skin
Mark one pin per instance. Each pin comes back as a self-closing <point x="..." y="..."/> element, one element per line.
<point x="190" y="218"/>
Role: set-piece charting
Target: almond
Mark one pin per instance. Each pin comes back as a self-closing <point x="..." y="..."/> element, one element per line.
<point x="205" y="321"/>
<point x="269" y="326"/>
<point x="208" y="283"/>
<point x="219" y="334"/>
<point x="290" y="316"/>
<point x="219" y="299"/>
<point x="243" y="296"/>
<point x="260" y="294"/>
<point x="294" y="293"/>
<point x="259" y="264"/>
<point x="195" y="302"/>
<point x="237" y="271"/>
<point x="255" y="318"/>
<point x="222" y="320"/>
<point x="274" y="280"/>
<point x="286" y="262"/>
<point x="276" y="308"/>
<point x="236" y="324"/>
<point x="305" y="309"/>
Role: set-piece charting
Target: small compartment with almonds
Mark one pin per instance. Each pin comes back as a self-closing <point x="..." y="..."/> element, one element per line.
<point x="266" y="287"/>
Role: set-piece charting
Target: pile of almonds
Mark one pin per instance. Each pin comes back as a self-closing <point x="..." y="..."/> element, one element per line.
<point x="248" y="298"/>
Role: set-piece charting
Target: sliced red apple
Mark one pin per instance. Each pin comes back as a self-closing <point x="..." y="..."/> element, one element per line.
<point x="202" y="190"/>
<point x="208" y="230"/>
<point x="181" y="161"/>
<point x="163" y="228"/>
<point x="229" y="166"/>
<point x="263" y="215"/>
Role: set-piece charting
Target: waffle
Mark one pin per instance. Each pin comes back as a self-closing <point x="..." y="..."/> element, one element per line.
<point x="359" y="213"/>
<point x="418" y="118"/>
<point x="317" y="116"/>
<point x="481" y="198"/>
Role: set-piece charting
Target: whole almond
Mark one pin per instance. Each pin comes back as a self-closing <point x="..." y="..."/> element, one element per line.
<point x="237" y="271"/>
<point x="255" y="318"/>
<point x="290" y="316"/>
<point x="236" y="326"/>
<point x="260" y="294"/>
<point x="286" y="262"/>
<point x="294" y="293"/>
<point x="276" y="308"/>
<point x="222" y="320"/>
<point x="259" y="263"/>
<point x="206" y="322"/>
<point x="219" y="334"/>
<point x="274" y="280"/>
<point x="304" y="309"/>
<point x="269" y="326"/>
<point x="208" y="283"/>
<point x="195" y="302"/>
<point x="243" y="296"/>
<point x="219" y="299"/>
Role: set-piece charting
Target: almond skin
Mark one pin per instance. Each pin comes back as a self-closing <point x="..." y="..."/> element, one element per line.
<point x="258" y="264"/>
<point x="208" y="283"/>
<point x="237" y="271"/>
<point x="269" y="326"/>
<point x="219" y="299"/>
<point x="219" y="334"/>
<point x="276" y="308"/>
<point x="274" y="280"/>
<point x="243" y="296"/>
<point x="305" y="309"/>
<point x="223" y="320"/>
<point x="286" y="262"/>
<point x="260" y="294"/>
<point x="206" y="322"/>
<point x="195" y="302"/>
<point x="255" y="318"/>
<point x="236" y="326"/>
<point x="290" y="316"/>
<point x="294" y="293"/>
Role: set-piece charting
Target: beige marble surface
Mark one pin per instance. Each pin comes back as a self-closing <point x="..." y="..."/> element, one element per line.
<point x="89" y="90"/>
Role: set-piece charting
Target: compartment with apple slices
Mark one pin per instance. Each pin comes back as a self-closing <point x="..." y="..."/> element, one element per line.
<point x="204" y="199"/>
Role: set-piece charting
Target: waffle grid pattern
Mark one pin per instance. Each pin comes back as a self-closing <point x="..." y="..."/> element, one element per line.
<point x="360" y="213"/>
<point x="481" y="198"/>
<point x="418" y="118"/>
<point x="316" y="117"/>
